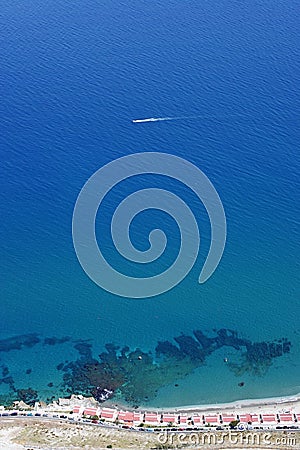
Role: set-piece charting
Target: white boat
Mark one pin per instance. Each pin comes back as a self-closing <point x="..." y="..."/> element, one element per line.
<point x="151" y="119"/>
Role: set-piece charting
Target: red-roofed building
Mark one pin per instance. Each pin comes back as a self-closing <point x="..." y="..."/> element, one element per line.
<point x="286" y="417"/>
<point x="255" y="418"/>
<point x="125" y="416"/>
<point x="138" y="417"/>
<point x="228" y="419"/>
<point x="152" y="418"/>
<point x="245" y="418"/>
<point x="76" y="409"/>
<point x="109" y="414"/>
<point x="197" y="420"/>
<point x="211" y="419"/>
<point x="183" y="419"/>
<point x="169" y="418"/>
<point x="269" y="418"/>
<point x="90" y="411"/>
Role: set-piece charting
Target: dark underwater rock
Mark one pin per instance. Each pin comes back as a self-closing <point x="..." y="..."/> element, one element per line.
<point x="208" y="344"/>
<point x="286" y="346"/>
<point x="29" y="396"/>
<point x="190" y="347"/>
<point x="230" y="338"/>
<point x="7" y="380"/>
<point x="168" y="349"/>
<point x="124" y="351"/>
<point x="5" y="371"/>
<point x="279" y="350"/>
<point x="272" y="350"/>
<point x="84" y="349"/>
<point x="18" y="342"/>
<point x="55" y="340"/>
<point x="258" y="351"/>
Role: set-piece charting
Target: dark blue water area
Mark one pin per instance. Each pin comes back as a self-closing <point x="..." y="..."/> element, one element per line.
<point x="73" y="77"/>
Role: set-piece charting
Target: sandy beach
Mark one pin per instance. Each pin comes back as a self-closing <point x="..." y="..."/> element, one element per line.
<point x="281" y="404"/>
<point x="264" y="404"/>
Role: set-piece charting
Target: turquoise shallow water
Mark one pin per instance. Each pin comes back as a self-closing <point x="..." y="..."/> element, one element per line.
<point x="73" y="79"/>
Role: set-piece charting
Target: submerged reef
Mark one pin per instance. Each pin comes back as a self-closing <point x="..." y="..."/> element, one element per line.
<point x="134" y="375"/>
<point x="18" y="342"/>
<point x="29" y="340"/>
<point x="28" y="396"/>
<point x="54" y="340"/>
<point x="259" y="355"/>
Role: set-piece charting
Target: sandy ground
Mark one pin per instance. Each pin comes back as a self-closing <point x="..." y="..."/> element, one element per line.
<point x="7" y="435"/>
<point x="20" y="434"/>
<point x="265" y="405"/>
<point x="33" y="434"/>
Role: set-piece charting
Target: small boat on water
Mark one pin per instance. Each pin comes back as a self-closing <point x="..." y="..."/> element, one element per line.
<point x="151" y="119"/>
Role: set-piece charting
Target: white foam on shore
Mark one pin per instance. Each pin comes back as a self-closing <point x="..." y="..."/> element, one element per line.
<point x="239" y="404"/>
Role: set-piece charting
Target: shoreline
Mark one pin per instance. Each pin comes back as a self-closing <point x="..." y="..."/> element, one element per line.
<point x="228" y="406"/>
<point x="239" y="404"/>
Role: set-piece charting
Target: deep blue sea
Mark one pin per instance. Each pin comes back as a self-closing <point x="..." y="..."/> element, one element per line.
<point x="73" y="76"/>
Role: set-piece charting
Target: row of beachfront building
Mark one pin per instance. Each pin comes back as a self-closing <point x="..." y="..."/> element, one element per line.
<point x="183" y="420"/>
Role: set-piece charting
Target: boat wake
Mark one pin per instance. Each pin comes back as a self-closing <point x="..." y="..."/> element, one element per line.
<point x="202" y="117"/>
<point x="153" y="119"/>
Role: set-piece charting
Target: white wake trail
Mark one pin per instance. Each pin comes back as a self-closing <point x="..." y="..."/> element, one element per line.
<point x="152" y="119"/>
<point x="159" y="119"/>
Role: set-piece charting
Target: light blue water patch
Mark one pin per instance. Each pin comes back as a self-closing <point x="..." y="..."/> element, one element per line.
<point x="201" y="387"/>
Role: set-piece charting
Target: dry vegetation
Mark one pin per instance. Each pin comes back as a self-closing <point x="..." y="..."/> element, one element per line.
<point x="45" y="435"/>
<point x="55" y="435"/>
